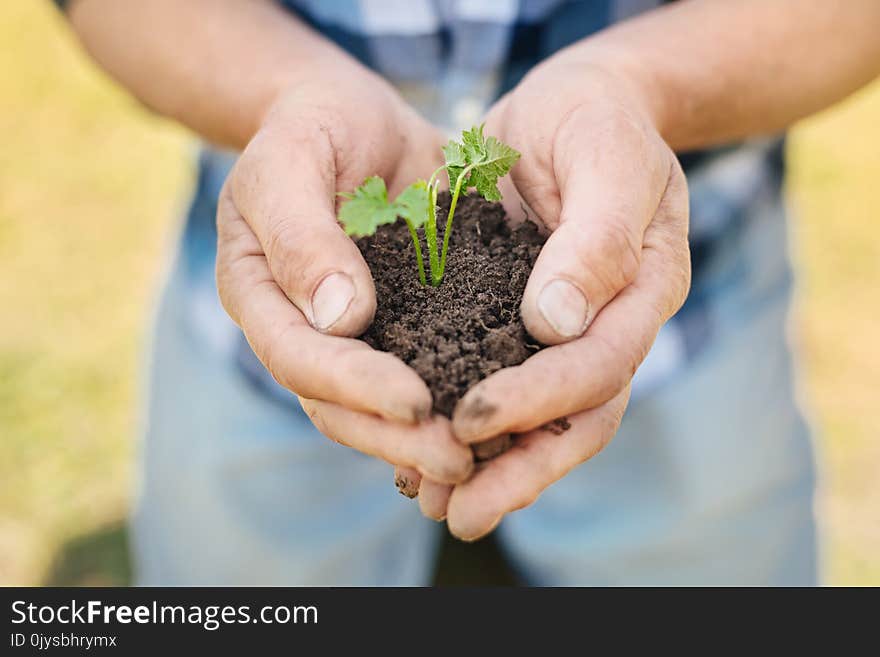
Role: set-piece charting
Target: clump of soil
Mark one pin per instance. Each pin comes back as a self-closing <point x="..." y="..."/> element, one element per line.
<point x="558" y="426"/>
<point x="460" y="332"/>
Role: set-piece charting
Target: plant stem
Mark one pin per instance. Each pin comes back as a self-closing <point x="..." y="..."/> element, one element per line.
<point x="434" y="175"/>
<point x="415" y="239"/>
<point x="448" y="230"/>
<point x="431" y="229"/>
<point x="431" y="237"/>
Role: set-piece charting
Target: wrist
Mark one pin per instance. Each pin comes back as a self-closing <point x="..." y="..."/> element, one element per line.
<point x="327" y="86"/>
<point x="592" y="72"/>
<point x="288" y="85"/>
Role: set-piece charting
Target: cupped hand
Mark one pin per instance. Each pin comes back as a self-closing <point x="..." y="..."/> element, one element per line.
<point x="597" y="174"/>
<point x="297" y="285"/>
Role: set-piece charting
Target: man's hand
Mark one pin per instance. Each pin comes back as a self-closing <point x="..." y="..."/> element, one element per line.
<point x="297" y="285"/>
<point x="616" y="266"/>
<point x="593" y="123"/>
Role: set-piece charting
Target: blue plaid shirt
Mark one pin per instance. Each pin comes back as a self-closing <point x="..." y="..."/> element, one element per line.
<point x="450" y="59"/>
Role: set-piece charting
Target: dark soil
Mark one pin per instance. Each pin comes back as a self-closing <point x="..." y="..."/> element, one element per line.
<point x="460" y="332"/>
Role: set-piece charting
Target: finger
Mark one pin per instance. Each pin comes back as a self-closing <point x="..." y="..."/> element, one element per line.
<point x="611" y="179"/>
<point x="537" y="459"/>
<point x="341" y="370"/>
<point x="407" y="481"/>
<point x="433" y="499"/>
<point x="429" y="446"/>
<point x="284" y="185"/>
<point x="588" y="371"/>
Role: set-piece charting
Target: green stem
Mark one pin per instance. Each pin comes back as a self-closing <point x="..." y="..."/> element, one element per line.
<point x="434" y="175"/>
<point x="431" y="229"/>
<point x="415" y="239"/>
<point x="452" y="205"/>
<point x="431" y="237"/>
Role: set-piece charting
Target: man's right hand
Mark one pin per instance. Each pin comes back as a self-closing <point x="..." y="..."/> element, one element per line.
<point x="297" y="285"/>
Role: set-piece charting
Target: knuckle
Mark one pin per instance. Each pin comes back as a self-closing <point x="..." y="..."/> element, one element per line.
<point x="228" y="279"/>
<point x="612" y="418"/>
<point x="613" y="124"/>
<point x="316" y="417"/>
<point x="227" y="299"/>
<point x="609" y="423"/>
<point x="276" y="359"/>
<point x="683" y="279"/>
<point x="246" y="174"/>
<point x="282" y="240"/>
<point x="623" y="359"/>
<point x="631" y="360"/>
<point x="673" y="264"/>
<point x="270" y="359"/>
<point x="614" y="256"/>
<point x="290" y="249"/>
<point x="677" y="275"/>
<point x="349" y="365"/>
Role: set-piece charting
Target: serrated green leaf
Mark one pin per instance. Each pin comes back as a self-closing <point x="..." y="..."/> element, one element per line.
<point x="413" y="203"/>
<point x="487" y="158"/>
<point x="367" y="208"/>
<point x="474" y="144"/>
<point x="499" y="158"/>
<point x="455" y="160"/>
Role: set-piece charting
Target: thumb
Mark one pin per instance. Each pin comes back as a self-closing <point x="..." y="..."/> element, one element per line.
<point x="611" y="182"/>
<point x="284" y="186"/>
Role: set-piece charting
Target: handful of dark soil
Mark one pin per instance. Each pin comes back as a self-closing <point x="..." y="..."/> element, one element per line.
<point x="468" y="327"/>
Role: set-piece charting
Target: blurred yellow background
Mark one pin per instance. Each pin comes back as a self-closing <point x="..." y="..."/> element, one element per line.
<point x="90" y="189"/>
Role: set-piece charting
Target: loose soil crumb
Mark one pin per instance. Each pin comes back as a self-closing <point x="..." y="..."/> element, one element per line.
<point x="558" y="426"/>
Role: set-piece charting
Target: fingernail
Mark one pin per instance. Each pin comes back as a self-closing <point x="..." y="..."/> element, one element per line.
<point x="406" y="486"/>
<point x="331" y="299"/>
<point x="472" y="537"/>
<point x="564" y="307"/>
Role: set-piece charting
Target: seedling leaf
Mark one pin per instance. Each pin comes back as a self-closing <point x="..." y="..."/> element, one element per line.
<point x="474" y="162"/>
<point x="499" y="158"/>
<point x="456" y="161"/>
<point x="484" y="158"/>
<point x="367" y="208"/>
<point x="413" y="204"/>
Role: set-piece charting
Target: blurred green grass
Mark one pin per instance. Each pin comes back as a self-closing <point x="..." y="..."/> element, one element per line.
<point x="90" y="186"/>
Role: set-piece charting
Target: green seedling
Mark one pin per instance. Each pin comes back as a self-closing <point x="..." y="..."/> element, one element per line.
<point x="476" y="162"/>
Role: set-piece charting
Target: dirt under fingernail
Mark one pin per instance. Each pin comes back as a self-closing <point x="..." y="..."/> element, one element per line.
<point x="558" y="426"/>
<point x="405" y="486"/>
